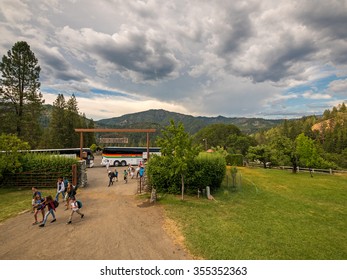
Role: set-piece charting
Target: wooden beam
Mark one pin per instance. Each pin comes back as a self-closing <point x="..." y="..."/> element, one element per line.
<point x="136" y="130"/>
<point x="147" y="146"/>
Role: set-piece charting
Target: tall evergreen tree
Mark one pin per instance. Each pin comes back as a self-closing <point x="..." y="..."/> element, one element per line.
<point x="89" y="137"/>
<point x="20" y="98"/>
<point x="72" y="121"/>
<point x="57" y="132"/>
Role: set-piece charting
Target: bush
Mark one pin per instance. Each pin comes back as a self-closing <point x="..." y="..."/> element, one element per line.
<point x="47" y="163"/>
<point x="40" y="170"/>
<point x="204" y="170"/>
<point x="234" y="159"/>
<point x="160" y="176"/>
<point x="9" y="155"/>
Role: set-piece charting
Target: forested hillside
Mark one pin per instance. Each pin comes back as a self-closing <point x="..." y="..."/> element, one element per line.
<point x="311" y="141"/>
<point x="161" y="118"/>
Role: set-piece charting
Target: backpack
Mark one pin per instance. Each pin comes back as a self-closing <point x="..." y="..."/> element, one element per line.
<point x="56" y="203"/>
<point x="79" y="203"/>
<point x="66" y="181"/>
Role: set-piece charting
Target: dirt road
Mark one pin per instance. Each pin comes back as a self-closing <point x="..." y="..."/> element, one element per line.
<point x="118" y="225"/>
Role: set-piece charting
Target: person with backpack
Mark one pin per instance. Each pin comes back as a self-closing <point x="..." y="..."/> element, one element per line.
<point x="60" y="189"/>
<point x="75" y="207"/>
<point x="111" y="176"/>
<point x="142" y="171"/>
<point x="35" y="192"/>
<point x="51" y="205"/>
<point x="116" y="174"/>
<point x="38" y="208"/>
<point x="70" y="192"/>
<point x="125" y="173"/>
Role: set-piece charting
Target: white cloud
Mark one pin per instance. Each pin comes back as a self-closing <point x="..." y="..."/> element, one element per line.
<point x="15" y="11"/>
<point x="200" y="57"/>
<point x="101" y="107"/>
<point x="313" y="95"/>
<point x="339" y="86"/>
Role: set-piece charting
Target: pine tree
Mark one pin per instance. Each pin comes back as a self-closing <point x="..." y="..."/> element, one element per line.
<point x="20" y="98"/>
<point x="73" y="120"/>
<point x="57" y="133"/>
<point x="89" y="137"/>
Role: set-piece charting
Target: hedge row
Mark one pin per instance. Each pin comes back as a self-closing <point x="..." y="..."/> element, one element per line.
<point x="38" y="170"/>
<point x="204" y="170"/>
<point x="47" y="163"/>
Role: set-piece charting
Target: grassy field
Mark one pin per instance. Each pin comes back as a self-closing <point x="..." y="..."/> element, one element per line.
<point x="274" y="215"/>
<point x="16" y="201"/>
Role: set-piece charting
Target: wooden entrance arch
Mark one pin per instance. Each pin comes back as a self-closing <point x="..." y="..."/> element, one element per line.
<point x="82" y="130"/>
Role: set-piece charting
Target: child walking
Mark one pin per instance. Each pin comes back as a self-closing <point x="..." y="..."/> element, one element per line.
<point x="71" y="192"/>
<point x="49" y="202"/>
<point x="111" y="177"/>
<point x="60" y="189"/>
<point x="39" y="207"/>
<point x="74" y="208"/>
<point x="35" y="192"/>
<point x="125" y="176"/>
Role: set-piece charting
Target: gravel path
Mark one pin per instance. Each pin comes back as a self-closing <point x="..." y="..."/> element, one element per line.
<point x="118" y="225"/>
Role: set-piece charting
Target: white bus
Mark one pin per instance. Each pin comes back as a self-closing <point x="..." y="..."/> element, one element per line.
<point x="122" y="156"/>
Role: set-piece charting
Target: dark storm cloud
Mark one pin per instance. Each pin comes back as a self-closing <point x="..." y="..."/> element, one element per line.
<point x="328" y="17"/>
<point x="237" y="29"/>
<point x="328" y="20"/>
<point x="55" y="64"/>
<point x="147" y="63"/>
<point x="279" y="63"/>
<point x="132" y="53"/>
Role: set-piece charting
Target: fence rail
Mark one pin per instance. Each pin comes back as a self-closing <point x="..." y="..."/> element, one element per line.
<point x="304" y="169"/>
<point x="32" y="179"/>
<point x="45" y="179"/>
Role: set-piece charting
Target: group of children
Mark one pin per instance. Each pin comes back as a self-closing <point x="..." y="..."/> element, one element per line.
<point x="39" y="204"/>
<point x="129" y="171"/>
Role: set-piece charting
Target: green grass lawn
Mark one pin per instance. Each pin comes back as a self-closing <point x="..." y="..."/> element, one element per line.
<point x="14" y="201"/>
<point x="275" y="215"/>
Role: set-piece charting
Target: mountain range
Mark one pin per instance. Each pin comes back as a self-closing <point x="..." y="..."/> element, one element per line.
<point x="161" y="118"/>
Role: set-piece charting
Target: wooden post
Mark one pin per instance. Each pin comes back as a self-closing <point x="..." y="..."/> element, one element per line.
<point x="147" y="146"/>
<point x="74" y="174"/>
<point x="81" y="145"/>
<point x="140" y="184"/>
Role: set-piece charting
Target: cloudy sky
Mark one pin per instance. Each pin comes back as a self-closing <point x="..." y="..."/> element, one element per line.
<point x="251" y="58"/>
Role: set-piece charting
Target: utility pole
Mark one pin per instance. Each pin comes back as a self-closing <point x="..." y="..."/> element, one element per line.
<point x="205" y="140"/>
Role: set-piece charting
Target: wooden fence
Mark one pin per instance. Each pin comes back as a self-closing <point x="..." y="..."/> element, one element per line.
<point x="39" y="179"/>
<point x="303" y="169"/>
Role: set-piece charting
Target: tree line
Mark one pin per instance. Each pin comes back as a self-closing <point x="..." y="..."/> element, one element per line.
<point x="312" y="142"/>
<point x="22" y="105"/>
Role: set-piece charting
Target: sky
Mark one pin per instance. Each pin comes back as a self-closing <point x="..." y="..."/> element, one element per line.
<point x="256" y="58"/>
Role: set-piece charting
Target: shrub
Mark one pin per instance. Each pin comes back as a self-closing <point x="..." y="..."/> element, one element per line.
<point x="40" y="170"/>
<point x="160" y="176"/>
<point x="234" y="159"/>
<point x="9" y="155"/>
<point x="204" y="170"/>
<point x="47" y="163"/>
